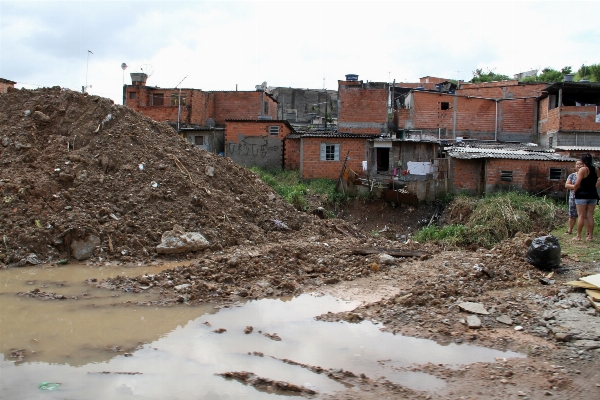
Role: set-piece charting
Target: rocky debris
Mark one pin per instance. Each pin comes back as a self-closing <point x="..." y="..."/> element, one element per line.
<point x="473" y="322"/>
<point x="84" y="248"/>
<point x="38" y="294"/>
<point x="266" y="384"/>
<point x="475" y="308"/>
<point x="179" y="241"/>
<point x="273" y="336"/>
<point x="287" y="267"/>
<point x="29" y="259"/>
<point x="248" y="330"/>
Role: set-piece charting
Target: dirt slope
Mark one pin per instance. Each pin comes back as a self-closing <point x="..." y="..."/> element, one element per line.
<point x="73" y="165"/>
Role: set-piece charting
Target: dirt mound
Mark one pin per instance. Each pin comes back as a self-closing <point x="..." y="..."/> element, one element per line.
<point x="78" y="171"/>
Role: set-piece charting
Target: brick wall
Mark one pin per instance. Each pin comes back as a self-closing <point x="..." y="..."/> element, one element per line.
<point x="501" y="90"/>
<point x="242" y="105"/>
<point x="530" y="176"/>
<point x="362" y="107"/>
<point x="291" y="158"/>
<point x="5" y="85"/>
<point x="249" y="143"/>
<point x="432" y="79"/>
<point x="579" y="119"/>
<point x="143" y="103"/>
<point x="466" y="176"/>
<point x="201" y="105"/>
<point x="475" y="117"/>
<point x="313" y="167"/>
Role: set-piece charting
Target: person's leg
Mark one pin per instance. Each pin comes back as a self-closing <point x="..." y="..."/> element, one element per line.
<point x="589" y="219"/>
<point x="572" y="215"/>
<point x="571" y="225"/>
<point x="581" y="208"/>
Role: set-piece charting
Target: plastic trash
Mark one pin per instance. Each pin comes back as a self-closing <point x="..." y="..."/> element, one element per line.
<point x="544" y="253"/>
<point x="48" y="385"/>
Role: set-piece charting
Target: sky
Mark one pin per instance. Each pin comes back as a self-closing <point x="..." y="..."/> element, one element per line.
<point x="229" y="45"/>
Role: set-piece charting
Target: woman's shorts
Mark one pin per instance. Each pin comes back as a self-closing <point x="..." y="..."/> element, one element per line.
<point x="583" y="202"/>
<point x="572" y="209"/>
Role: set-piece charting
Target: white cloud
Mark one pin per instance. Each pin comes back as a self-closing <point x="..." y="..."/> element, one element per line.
<point x="219" y="45"/>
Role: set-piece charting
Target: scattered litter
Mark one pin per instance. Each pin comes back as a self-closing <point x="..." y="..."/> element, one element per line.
<point x="48" y="386"/>
<point x="544" y="253"/>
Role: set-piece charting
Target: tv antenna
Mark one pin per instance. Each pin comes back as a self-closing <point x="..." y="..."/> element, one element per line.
<point x="147" y="69"/>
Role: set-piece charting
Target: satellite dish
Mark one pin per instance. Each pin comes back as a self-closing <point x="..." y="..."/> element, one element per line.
<point x="147" y="69"/>
<point x="124" y="66"/>
<point x="210" y="123"/>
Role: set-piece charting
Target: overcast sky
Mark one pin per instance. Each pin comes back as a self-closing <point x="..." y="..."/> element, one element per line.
<point x="303" y="44"/>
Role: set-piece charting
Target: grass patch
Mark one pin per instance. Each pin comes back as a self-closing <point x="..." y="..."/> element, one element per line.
<point x="486" y="222"/>
<point x="294" y="189"/>
<point x="583" y="251"/>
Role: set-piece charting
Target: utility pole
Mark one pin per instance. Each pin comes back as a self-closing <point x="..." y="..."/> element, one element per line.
<point x="87" y="68"/>
<point x="179" y="103"/>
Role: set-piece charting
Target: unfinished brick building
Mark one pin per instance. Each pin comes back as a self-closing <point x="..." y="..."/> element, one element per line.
<point x="502" y="111"/>
<point x="256" y="143"/>
<point x="198" y="107"/>
<point x="569" y="117"/>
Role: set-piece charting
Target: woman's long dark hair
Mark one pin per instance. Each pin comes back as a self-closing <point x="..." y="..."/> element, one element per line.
<point x="586" y="158"/>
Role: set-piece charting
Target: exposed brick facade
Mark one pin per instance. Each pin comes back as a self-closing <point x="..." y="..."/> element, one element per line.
<point x="5" y="84"/>
<point x="199" y="105"/>
<point x="256" y="143"/>
<point x="305" y="152"/>
<point x="362" y="107"/>
<point x="479" y="176"/>
<point x="450" y="116"/>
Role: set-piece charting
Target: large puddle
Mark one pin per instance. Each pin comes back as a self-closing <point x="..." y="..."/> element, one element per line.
<point x="103" y="345"/>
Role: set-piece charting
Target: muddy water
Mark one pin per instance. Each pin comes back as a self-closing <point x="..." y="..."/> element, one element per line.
<point x="102" y="345"/>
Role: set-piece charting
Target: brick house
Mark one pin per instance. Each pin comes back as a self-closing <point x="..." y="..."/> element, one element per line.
<point x="256" y="142"/>
<point x="486" y="168"/>
<point x="569" y="117"/>
<point x="198" y="107"/>
<point x="502" y="111"/>
<point x="363" y="107"/>
<point x="322" y="154"/>
<point x="5" y="84"/>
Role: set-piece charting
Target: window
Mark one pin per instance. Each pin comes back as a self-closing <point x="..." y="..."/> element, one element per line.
<point x="175" y="99"/>
<point x="133" y="95"/>
<point x="330" y="152"/>
<point x="158" y="99"/>
<point x="266" y="108"/>
<point x="506" y="176"/>
<point x="273" y="130"/>
<point x="199" y="140"/>
<point x="555" y="174"/>
<point x="445" y="105"/>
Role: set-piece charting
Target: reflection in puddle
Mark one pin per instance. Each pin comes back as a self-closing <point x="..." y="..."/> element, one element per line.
<point x="100" y="350"/>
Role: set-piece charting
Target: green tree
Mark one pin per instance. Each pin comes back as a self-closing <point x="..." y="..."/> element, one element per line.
<point x="566" y="70"/>
<point x="550" y="75"/>
<point x="489" y="76"/>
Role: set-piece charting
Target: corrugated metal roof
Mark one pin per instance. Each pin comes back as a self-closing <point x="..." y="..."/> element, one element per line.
<point x="580" y="148"/>
<point x="300" y="135"/>
<point x="514" y="151"/>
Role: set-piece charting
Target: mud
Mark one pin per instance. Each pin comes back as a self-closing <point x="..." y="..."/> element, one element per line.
<point x="83" y="178"/>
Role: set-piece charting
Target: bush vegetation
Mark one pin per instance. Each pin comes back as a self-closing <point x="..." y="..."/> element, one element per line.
<point x="487" y="221"/>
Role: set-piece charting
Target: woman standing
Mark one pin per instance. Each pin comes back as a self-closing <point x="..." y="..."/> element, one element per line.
<point x="586" y="197"/>
<point x="570" y="184"/>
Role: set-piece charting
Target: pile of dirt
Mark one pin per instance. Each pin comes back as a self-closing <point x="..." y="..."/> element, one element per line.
<point x="78" y="170"/>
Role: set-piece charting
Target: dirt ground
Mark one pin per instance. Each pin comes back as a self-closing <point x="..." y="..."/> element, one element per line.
<point x="77" y="168"/>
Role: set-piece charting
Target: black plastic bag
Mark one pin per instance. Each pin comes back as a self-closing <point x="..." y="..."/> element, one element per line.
<point x="544" y="253"/>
